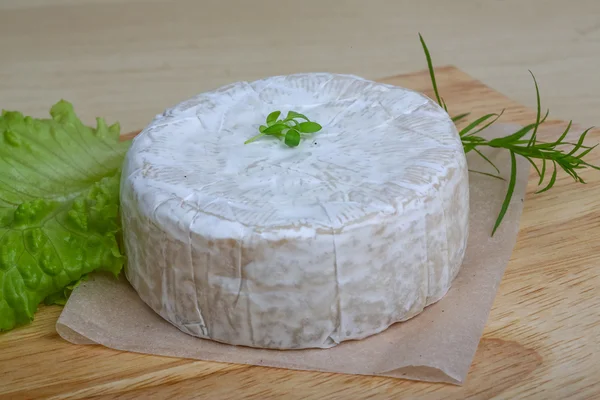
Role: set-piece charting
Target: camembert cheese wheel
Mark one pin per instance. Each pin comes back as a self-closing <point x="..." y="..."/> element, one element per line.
<point x="361" y="226"/>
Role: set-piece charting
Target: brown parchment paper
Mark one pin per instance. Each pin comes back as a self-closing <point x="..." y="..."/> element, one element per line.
<point x="438" y="345"/>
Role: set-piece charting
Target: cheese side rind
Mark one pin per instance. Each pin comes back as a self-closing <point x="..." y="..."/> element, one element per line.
<point x="361" y="226"/>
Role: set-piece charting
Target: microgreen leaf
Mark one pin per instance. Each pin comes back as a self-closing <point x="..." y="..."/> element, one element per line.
<point x="294" y="114"/>
<point x="272" y="118"/>
<point x="292" y="138"/>
<point x="309" y="127"/>
<point x="252" y="139"/>
<point x="287" y="129"/>
<point x="275" y="128"/>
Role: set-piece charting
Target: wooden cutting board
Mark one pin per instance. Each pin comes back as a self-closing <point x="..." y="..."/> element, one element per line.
<point x="542" y="338"/>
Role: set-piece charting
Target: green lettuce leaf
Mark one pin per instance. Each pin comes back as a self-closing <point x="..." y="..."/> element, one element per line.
<point x="60" y="298"/>
<point x="59" y="207"/>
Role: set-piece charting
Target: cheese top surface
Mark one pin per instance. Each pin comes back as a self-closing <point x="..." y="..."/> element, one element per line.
<point x="380" y="146"/>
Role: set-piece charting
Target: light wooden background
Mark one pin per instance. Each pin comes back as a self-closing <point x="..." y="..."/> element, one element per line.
<point x="127" y="60"/>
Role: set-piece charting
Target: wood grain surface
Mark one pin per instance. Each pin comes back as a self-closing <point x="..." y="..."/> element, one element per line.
<point x="126" y="59"/>
<point x="542" y="339"/>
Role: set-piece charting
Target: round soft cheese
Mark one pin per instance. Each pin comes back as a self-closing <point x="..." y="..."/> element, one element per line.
<point x="361" y="226"/>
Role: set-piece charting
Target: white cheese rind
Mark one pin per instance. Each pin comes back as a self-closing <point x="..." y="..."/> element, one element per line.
<point x="361" y="226"/>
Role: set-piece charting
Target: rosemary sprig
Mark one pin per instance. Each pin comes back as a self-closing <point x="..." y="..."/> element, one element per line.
<point x="531" y="149"/>
<point x="287" y="129"/>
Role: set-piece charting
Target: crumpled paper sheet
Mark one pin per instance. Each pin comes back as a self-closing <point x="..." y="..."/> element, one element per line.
<point x="438" y="345"/>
